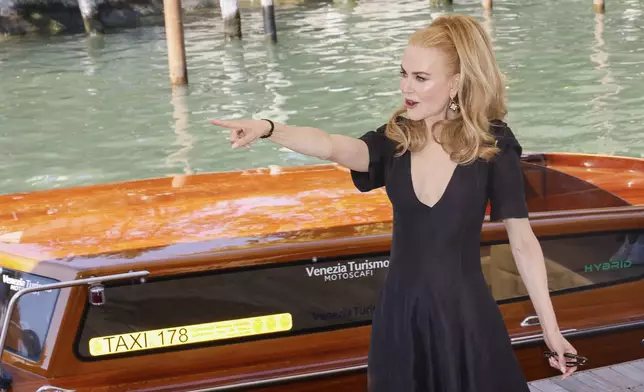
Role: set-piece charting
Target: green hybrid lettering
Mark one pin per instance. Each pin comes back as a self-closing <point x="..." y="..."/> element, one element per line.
<point x="617" y="264"/>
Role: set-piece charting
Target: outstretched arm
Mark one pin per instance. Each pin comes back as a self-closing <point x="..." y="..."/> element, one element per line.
<point x="344" y="150"/>
<point x="530" y="262"/>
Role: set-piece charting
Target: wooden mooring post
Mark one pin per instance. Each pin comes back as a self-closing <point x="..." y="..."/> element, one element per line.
<point x="599" y="6"/>
<point x="268" y="12"/>
<point x="232" y="18"/>
<point x="175" y="42"/>
<point x="89" y="12"/>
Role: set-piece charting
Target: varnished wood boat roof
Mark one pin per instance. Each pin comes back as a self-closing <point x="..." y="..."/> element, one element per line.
<point x="621" y="176"/>
<point x="88" y="227"/>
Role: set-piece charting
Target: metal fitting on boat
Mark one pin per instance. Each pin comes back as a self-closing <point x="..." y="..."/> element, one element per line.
<point x="97" y="294"/>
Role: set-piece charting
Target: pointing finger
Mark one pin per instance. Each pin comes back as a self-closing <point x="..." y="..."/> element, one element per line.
<point x="225" y="123"/>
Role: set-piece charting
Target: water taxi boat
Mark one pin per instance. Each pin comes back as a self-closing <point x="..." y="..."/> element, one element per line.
<point x="266" y="279"/>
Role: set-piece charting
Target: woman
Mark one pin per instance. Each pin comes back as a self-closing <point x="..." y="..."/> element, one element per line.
<point x="441" y="157"/>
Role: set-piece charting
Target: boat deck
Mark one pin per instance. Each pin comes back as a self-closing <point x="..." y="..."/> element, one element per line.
<point x="628" y="376"/>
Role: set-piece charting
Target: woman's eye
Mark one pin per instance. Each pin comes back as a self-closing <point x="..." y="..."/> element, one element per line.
<point x="403" y="73"/>
<point x="420" y="78"/>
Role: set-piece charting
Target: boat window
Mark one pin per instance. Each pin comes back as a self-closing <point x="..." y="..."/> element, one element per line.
<point x="570" y="263"/>
<point x="32" y="314"/>
<point x="266" y="302"/>
<point x="232" y="306"/>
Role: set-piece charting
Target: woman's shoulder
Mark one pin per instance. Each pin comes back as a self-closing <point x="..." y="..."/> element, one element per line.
<point x="381" y="134"/>
<point x="505" y="138"/>
<point x="378" y="140"/>
<point x="400" y="120"/>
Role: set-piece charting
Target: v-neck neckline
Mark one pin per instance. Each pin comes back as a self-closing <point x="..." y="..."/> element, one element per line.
<point x="413" y="188"/>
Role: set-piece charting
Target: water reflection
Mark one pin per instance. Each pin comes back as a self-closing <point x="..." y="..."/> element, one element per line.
<point x="600" y="58"/>
<point x="94" y="45"/>
<point x="234" y="74"/>
<point x="183" y="137"/>
<point x="488" y="23"/>
<point x="274" y="106"/>
<point x="345" y="6"/>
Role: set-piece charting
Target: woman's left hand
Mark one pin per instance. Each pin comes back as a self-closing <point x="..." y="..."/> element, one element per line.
<point x="557" y="343"/>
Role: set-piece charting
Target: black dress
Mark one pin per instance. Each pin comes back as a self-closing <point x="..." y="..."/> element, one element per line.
<point x="437" y="327"/>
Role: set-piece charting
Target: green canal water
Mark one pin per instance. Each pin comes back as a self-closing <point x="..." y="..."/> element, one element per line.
<point x="78" y="110"/>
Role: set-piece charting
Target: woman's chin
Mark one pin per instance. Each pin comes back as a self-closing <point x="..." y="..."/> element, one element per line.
<point x="414" y="115"/>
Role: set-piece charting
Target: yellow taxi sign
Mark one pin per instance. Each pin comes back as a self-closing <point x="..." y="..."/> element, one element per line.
<point x="188" y="334"/>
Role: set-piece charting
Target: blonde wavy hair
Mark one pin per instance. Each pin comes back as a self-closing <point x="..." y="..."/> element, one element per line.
<point x="481" y="92"/>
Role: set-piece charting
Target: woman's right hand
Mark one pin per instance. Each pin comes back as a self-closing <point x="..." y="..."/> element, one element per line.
<point x="244" y="132"/>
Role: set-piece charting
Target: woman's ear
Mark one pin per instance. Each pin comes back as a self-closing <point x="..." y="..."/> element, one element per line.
<point x="454" y="85"/>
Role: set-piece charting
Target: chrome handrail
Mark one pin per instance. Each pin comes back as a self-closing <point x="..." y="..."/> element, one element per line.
<point x="50" y="388"/>
<point x="53" y="286"/>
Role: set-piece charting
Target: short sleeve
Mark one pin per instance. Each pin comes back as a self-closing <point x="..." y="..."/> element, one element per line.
<point x="506" y="183"/>
<point x="381" y="149"/>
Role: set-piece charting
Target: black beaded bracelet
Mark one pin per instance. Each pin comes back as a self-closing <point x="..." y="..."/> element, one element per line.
<point x="271" y="130"/>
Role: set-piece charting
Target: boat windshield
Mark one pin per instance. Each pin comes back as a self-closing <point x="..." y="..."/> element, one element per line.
<point x="31" y="317"/>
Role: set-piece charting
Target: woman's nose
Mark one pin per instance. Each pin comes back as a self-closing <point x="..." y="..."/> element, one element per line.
<point x="405" y="85"/>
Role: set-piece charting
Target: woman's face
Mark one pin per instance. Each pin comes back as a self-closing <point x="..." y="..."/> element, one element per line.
<point x="425" y="83"/>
